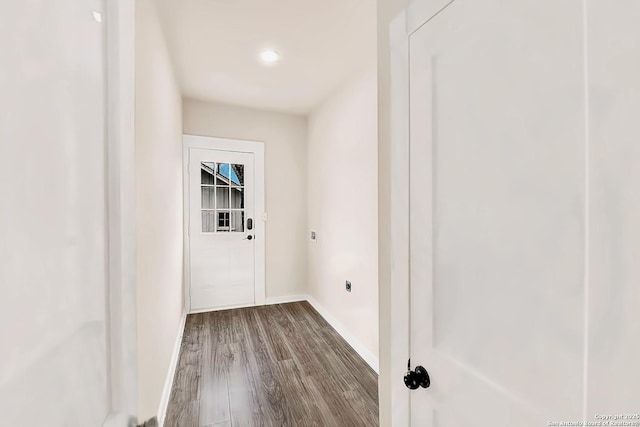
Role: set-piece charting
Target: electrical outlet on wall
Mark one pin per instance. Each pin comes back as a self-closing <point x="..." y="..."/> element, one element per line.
<point x="347" y="286"/>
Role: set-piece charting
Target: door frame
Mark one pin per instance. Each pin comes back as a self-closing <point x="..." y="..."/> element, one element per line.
<point x="242" y="146"/>
<point x="122" y="346"/>
<point x="401" y="28"/>
<point x="122" y="349"/>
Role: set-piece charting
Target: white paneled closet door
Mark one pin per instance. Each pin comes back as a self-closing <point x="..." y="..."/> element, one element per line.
<point x="613" y="37"/>
<point x="497" y="222"/>
<point x="524" y="199"/>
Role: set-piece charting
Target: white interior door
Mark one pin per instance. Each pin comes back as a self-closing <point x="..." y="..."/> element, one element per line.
<point x="497" y="214"/>
<point x="221" y="228"/>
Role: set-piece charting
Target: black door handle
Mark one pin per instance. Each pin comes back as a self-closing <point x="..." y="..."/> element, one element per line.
<point x="249" y="237"/>
<point x="419" y="377"/>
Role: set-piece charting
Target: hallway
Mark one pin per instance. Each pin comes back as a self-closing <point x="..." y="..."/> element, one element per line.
<point x="427" y="210"/>
<point x="275" y="365"/>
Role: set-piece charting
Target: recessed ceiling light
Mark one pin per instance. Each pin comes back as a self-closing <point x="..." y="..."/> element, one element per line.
<point x="269" y="57"/>
<point x="97" y="16"/>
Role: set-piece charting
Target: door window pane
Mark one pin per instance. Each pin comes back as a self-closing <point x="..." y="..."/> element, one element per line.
<point x="224" y="172"/>
<point x="237" y="175"/>
<point x="237" y="198"/>
<point x="207" y="173"/>
<point x="208" y="221"/>
<point x="223" y="220"/>
<point x="237" y="221"/>
<point x="222" y="197"/>
<point x="208" y="198"/>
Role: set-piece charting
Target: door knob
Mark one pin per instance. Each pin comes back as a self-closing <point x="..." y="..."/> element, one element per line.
<point x="248" y="238"/>
<point x="419" y="377"/>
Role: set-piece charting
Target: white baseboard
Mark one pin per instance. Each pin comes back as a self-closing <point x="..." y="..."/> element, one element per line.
<point x="286" y="299"/>
<point x="223" y="308"/>
<point x="173" y="365"/>
<point x="268" y="301"/>
<point x="371" y="359"/>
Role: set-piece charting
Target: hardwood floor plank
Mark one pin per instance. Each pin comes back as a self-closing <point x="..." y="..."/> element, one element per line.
<point x="187" y="377"/>
<point x="238" y="327"/>
<point x="315" y="317"/>
<point x="342" y="378"/>
<point x="182" y="414"/>
<point x="185" y="384"/>
<point x="243" y="401"/>
<point x="302" y="347"/>
<point x="335" y="400"/>
<point x="257" y="339"/>
<point x="220" y="326"/>
<point x="214" y="388"/>
<point x="279" y="365"/>
<point x="300" y="404"/>
<point x="261" y="367"/>
<point x="224" y="424"/>
<point x="325" y="414"/>
<point x="362" y="406"/>
<point x="359" y="369"/>
<point x="271" y="321"/>
<point x="269" y="392"/>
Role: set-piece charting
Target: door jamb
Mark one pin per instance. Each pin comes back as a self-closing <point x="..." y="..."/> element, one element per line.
<point x="120" y="152"/>
<point x="399" y="216"/>
<point x="401" y="28"/>
<point x="243" y="146"/>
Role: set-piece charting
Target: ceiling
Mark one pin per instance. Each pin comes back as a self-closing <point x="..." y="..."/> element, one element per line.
<point x="215" y="45"/>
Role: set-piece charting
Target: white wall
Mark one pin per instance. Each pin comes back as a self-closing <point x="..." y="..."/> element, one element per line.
<point x="53" y="216"/>
<point x="158" y="207"/>
<point x="285" y="137"/>
<point x="343" y="207"/>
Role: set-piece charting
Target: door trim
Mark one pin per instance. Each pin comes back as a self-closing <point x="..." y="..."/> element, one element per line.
<point x="121" y="220"/>
<point x="225" y="144"/>
<point x="400" y="29"/>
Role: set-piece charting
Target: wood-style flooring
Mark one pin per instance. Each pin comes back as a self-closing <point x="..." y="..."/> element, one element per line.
<point x="275" y="365"/>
